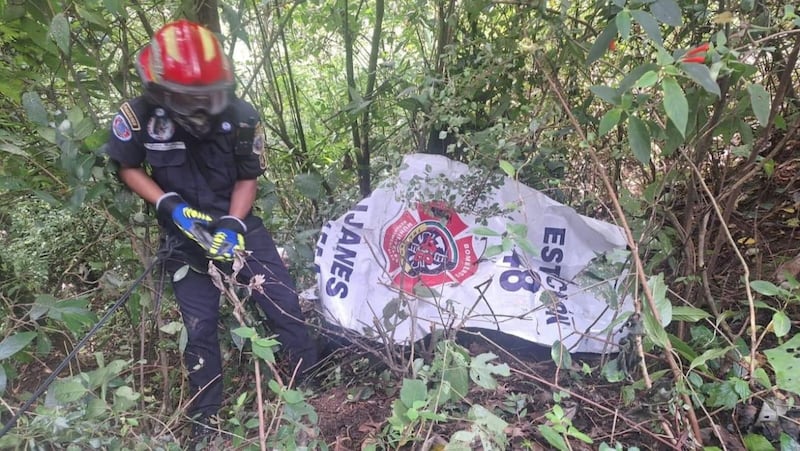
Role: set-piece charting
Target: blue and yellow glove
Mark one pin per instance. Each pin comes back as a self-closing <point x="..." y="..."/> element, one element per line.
<point x="228" y="238"/>
<point x="193" y="223"/>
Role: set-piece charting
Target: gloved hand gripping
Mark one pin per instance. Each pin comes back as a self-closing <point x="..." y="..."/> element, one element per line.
<point x="228" y="238"/>
<point x="193" y="223"/>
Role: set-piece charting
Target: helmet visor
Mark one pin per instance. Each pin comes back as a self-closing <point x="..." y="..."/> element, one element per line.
<point x="187" y="103"/>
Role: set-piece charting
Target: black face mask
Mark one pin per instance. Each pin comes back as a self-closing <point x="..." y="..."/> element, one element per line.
<point x="199" y="124"/>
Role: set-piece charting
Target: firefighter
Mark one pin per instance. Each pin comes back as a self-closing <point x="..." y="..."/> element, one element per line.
<point x="195" y="151"/>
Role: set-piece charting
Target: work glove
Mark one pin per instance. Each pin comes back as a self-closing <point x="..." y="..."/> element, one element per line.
<point x="228" y="238"/>
<point x="192" y="223"/>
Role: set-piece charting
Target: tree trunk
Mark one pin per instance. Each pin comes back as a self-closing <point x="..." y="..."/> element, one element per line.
<point x="207" y="13"/>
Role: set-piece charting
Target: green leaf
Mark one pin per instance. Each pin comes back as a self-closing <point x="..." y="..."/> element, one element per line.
<point x="609" y="121"/>
<point x="15" y="343"/>
<point x="526" y="245"/>
<point x="639" y="139"/>
<point x="493" y="250"/>
<point x="728" y="393"/>
<point x="125" y="398"/>
<point x="507" y="168"/>
<point x="560" y="355"/>
<point x="575" y="432"/>
<point x="459" y="440"/>
<point x="183" y="339"/>
<point x="41" y="305"/>
<point x="69" y="390"/>
<point x="606" y="93"/>
<point x="34" y="108"/>
<point x="760" y="101"/>
<point x="263" y="348"/>
<point x="413" y="390"/>
<point x="90" y="16"/>
<point x="602" y="42"/>
<point x="664" y="306"/>
<point x="667" y="11"/>
<point x="309" y="185"/>
<point x="756" y="442"/>
<point x="682" y="348"/>
<point x="96" y="408"/>
<point x="785" y="360"/>
<point x="612" y="372"/>
<point x="781" y="324"/>
<point x="675" y="104"/>
<point x="484" y="231"/>
<point x="59" y="32"/>
<point x="458" y="378"/>
<point x="768" y="288"/>
<point x="115" y="7"/>
<point x="632" y="76"/>
<point x="488" y="420"/>
<point x="648" y="79"/>
<point x="649" y="25"/>
<point x="710" y="354"/>
<point x="245" y="332"/>
<point x="760" y="375"/>
<point x="13" y="149"/>
<point x="674" y="139"/>
<point x="701" y="75"/>
<point x="553" y="438"/>
<point x="689" y="314"/>
<point x="517" y="229"/>
<point x="171" y="328"/>
<point x="423" y="291"/>
<point x="788" y="443"/>
<point x="3" y="380"/>
<point x="292" y="396"/>
<point x="623" y="21"/>
<point x="482" y="372"/>
<point x="654" y="329"/>
<point x="73" y="313"/>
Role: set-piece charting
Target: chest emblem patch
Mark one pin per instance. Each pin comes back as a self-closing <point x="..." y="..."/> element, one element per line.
<point x="160" y="128"/>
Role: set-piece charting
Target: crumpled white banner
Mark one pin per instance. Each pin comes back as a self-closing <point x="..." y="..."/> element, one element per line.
<point x="443" y="245"/>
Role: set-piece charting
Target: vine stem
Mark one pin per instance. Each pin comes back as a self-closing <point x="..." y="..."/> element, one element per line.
<point x="750" y="301"/>
<point x="228" y="288"/>
<point x="640" y="273"/>
<point x="262" y="433"/>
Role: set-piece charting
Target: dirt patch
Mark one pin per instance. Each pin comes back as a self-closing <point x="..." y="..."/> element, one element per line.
<point x="346" y="421"/>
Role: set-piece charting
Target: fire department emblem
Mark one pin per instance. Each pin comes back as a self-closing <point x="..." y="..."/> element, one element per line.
<point x="428" y="245"/>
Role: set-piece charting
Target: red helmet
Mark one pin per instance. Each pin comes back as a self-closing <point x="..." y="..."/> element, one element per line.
<point x="186" y="69"/>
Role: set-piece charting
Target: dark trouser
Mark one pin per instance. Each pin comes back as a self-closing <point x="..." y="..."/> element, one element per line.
<point x="199" y="302"/>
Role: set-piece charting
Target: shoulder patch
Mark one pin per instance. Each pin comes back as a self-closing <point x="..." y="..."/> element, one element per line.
<point x="258" y="139"/>
<point x="258" y="146"/>
<point x="121" y="129"/>
<point x="130" y="116"/>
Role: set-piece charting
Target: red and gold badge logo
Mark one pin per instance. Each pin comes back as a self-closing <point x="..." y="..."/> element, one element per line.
<point x="429" y="245"/>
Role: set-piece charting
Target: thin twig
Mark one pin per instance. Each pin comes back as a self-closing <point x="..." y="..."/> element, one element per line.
<point x="615" y="412"/>
<point x="262" y="433"/>
<point x="745" y="268"/>
<point x="668" y="350"/>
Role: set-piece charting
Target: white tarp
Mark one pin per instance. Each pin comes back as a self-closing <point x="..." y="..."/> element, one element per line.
<point x="427" y="251"/>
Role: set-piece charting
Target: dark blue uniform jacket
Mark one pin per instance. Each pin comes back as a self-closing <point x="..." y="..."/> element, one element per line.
<point x="203" y="172"/>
